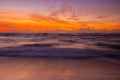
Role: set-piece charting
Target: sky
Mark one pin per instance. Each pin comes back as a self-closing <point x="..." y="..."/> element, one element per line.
<point x="59" y="15"/>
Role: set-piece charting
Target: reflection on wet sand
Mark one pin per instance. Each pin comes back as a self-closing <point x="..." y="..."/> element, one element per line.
<point x="19" y="68"/>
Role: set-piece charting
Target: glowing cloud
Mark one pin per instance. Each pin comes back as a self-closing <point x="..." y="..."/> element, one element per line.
<point x="55" y="15"/>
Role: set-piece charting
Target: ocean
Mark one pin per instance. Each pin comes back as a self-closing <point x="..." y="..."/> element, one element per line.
<point x="79" y="45"/>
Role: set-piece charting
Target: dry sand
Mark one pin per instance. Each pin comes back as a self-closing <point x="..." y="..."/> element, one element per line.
<point x="24" y="68"/>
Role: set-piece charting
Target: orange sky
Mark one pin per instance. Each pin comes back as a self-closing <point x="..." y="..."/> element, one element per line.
<point x="64" y="18"/>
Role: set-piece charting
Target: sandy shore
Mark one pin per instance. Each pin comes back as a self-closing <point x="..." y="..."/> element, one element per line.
<point x="19" y="68"/>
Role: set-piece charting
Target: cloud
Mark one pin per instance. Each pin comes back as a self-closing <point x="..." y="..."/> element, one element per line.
<point x="4" y="27"/>
<point x="36" y="23"/>
<point x="66" y="10"/>
<point x="4" y="13"/>
<point x="40" y="18"/>
<point x="101" y="16"/>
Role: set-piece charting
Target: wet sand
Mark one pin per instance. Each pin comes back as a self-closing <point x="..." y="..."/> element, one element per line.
<point x="31" y="68"/>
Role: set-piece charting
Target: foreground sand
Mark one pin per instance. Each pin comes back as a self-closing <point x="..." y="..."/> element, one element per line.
<point x="19" y="68"/>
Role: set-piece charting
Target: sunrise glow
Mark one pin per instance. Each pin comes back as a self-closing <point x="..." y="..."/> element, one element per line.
<point x="59" y="15"/>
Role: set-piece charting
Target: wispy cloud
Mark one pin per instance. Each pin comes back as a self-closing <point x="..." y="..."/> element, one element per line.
<point x="66" y="11"/>
<point x="102" y="16"/>
<point x="57" y="15"/>
<point x="41" y="18"/>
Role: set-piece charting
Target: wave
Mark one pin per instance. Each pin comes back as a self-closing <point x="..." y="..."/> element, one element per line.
<point x="112" y="46"/>
<point x="62" y="34"/>
<point x="36" y="50"/>
<point x="38" y="45"/>
<point x="59" y="44"/>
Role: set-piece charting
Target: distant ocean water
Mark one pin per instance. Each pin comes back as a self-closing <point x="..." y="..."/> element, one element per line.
<point x="60" y="45"/>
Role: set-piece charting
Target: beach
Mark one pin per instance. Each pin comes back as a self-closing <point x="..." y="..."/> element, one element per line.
<point x="47" y="68"/>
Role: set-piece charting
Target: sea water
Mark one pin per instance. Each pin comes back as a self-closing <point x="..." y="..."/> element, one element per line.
<point x="60" y="44"/>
